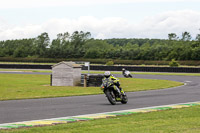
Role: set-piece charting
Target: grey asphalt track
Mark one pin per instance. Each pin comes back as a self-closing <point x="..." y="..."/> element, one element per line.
<point x="35" y="109"/>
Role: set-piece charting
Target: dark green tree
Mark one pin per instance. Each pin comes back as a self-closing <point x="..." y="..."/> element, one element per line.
<point x="186" y="36"/>
<point x="40" y="44"/>
<point x="172" y="36"/>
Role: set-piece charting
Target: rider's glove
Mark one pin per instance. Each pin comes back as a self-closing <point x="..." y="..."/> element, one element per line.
<point x="115" y="81"/>
<point x="102" y="87"/>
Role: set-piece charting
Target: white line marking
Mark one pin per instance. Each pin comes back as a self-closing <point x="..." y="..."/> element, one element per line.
<point x="188" y="81"/>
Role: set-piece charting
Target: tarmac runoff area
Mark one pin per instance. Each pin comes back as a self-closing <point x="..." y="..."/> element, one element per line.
<point x="61" y="120"/>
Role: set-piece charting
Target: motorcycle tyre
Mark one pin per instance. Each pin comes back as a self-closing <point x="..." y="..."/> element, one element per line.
<point x="126" y="76"/>
<point x="124" y="99"/>
<point x="110" y="98"/>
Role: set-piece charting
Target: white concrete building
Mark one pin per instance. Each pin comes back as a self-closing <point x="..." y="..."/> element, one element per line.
<point x="66" y="74"/>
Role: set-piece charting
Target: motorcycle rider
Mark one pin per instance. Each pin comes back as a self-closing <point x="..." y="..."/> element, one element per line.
<point x="123" y="71"/>
<point x="115" y="80"/>
<point x="126" y="73"/>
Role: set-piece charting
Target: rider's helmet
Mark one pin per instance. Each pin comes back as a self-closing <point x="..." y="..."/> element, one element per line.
<point x="107" y="74"/>
<point x="123" y="69"/>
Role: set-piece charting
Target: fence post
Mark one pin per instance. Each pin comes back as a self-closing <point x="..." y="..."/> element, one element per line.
<point x="51" y="80"/>
<point x="85" y="80"/>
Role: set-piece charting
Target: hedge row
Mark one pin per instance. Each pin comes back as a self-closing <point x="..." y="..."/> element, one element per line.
<point x="49" y="60"/>
<point x="145" y="69"/>
<point x="96" y="61"/>
<point x="110" y="68"/>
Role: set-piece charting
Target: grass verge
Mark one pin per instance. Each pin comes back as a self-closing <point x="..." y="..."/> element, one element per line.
<point x="25" y="70"/>
<point x="184" y="120"/>
<point x="25" y="86"/>
<point x="114" y="72"/>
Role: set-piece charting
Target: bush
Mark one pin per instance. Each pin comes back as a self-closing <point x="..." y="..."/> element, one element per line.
<point x="109" y="63"/>
<point x="173" y="63"/>
<point x="96" y="61"/>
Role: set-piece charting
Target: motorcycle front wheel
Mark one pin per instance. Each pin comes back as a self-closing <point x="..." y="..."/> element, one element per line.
<point x="130" y="76"/>
<point x="110" y="96"/>
<point x="124" y="99"/>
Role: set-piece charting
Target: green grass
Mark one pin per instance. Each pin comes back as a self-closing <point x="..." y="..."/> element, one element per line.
<point x="34" y="63"/>
<point x="24" y="86"/>
<point x="25" y="70"/>
<point x="113" y="72"/>
<point x="185" y="120"/>
<point x="175" y="74"/>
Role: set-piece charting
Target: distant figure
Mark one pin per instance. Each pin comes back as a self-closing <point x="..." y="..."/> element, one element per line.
<point x="126" y="73"/>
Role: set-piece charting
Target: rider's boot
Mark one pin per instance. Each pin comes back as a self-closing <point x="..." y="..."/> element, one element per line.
<point x="118" y="90"/>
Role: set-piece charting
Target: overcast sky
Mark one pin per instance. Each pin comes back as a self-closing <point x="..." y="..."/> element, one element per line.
<point x="103" y="18"/>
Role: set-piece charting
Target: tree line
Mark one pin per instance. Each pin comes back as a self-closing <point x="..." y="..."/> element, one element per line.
<point x="79" y="44"/>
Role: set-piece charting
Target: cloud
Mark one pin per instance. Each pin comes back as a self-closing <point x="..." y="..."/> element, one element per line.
<point x="171" y="22"/>
<point x="158" y="26"/>
<point x="54" y="3"/>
